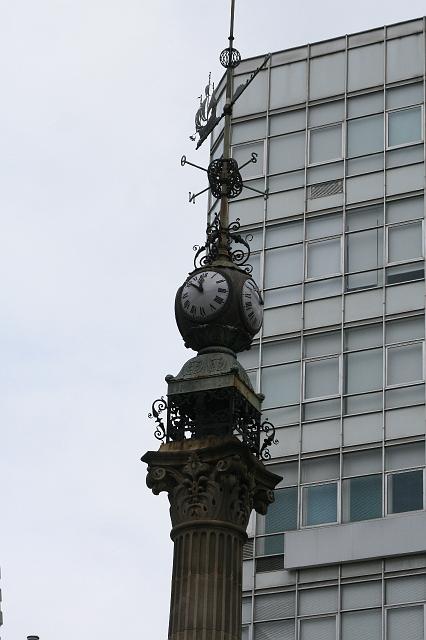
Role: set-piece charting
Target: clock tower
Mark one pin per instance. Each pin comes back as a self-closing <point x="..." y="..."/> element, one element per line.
<point x="214" y="440"/>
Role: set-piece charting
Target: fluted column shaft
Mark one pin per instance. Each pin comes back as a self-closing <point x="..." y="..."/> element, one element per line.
<point x="212" y="485"/>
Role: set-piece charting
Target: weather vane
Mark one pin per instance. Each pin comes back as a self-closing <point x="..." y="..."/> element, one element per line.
<point x="224" y="177"/>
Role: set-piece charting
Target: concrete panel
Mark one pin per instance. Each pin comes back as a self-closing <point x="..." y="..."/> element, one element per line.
<point x="409" y="421"/>
<point x="363" y="428"/>
<point x="287" y="203"/>
<point x="365" y="304"/>
<point x="322" y="313"/>
<point x="405" y="297"/>
<point x="386" y="537"/>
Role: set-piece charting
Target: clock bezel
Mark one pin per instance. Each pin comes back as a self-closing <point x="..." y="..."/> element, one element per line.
<point x="212" y="314"/>
<point x="244" y="312"/>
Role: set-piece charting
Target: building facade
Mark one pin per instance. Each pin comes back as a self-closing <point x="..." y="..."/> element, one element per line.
<point x="338" y="249"/>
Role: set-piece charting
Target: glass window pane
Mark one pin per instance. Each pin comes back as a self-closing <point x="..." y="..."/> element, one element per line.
<point x="325" y="144"/>
<point x="364" y="371"/>
<point x="362" y="462"/>
<point x="287" y="122"/>
<point x="322" y="344"/>
<point x="367" y="217"/>
<point x="404" y="126"/>
<point x="274" y="605"/>
<point x="405" y="456"/>
<point x="286" y="152"/>
<point x="327" y="76"/>
<point x="270" y="545"/>
<point x="404" y="364"/>
<point x="277" y="630"/>
<point x="313" y="601"/>
<point x="318" y="629"/>
<point x="317" y="469"/>
<point x="410" y="589"/>
<point x="323" y="258"/>
<point x="407" y="329"/>
<point x="320" y="504"/>
<point x="365" y="625"/>
<point x="283" y="266"/>
<point x="246" y="610"/>
<point x="322" y="378"/>
<point x="281" y="385"/>
<point x="405" y="491"/>
<point x="282" y="513"/>
<point x="323" y="226"/>
<point x="362" y="498"/>
<point x="364" y="250"/>
<point x="280" y="352"/>
<point x="365" y="68"/>
<point x="405" y="209"/>
<point x="288" y="85"/>
<point x="365" y="135"/>
<point x="242" y="153"/>
<point x="405" y="242"/>
<point x="407" y="623"/>
<point x="364" y="337"/>
<point x="362" y="594"/>
<point x="284" y="234"/>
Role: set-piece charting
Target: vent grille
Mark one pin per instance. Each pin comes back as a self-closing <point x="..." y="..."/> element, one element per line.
<point x="248" y="549"/>
<point x="269" y="563"/>
<point x="323" y="189"/>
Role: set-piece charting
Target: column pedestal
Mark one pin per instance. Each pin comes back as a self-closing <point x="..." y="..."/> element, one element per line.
<point x="212" y="484"/>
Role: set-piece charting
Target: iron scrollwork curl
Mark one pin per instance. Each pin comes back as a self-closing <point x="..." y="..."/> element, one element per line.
<point x="269" y="439"/>
<point x="207" y="253"/>
<point x="158" y="406"/>
<point x="230" y="58"/>
<point x="225" y="178"/>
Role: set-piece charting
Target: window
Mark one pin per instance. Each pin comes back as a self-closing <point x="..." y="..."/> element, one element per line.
<point x="405" y="483"/>
<point x="362" y="498"/>
<point x="325" y="144"/>
<point x="405" y="126"/>
<point x="323" y="258"/>
<point x="284" y="266"/>
<point x="321" y="377"/>
<point x="281" y="384"/>
<point x="282" y="513"/>
<point x="365" y="135"/>
<point x="318" y="629"/>
<point x="364" y="253"/>
<point x="320" y="504"/>
<point x="364" y="371"/>
<point x="405" y="622"/>
<point x="359" y="625"/>
<point x="405" y="242"/>
<point x="405" y="491"/>
<point x="404" y="364"/>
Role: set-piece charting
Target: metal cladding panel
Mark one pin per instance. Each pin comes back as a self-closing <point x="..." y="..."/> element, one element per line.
<point x="358" y="541"/>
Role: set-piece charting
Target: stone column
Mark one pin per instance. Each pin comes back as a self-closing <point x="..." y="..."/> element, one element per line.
<point x="212" y="484"/>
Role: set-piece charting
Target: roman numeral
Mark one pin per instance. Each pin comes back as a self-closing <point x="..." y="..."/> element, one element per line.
<point x="193" y="310"/>
<point x="185" y="295"/>
<point x="218" y="300"/>
<point x="186" y="304"/>
<point x="251" y="315"/>
<point x="222" y="290"/>
<point x="202" y="312"/>
<point x="212" y="307"/>
<point x="220" y="281"/>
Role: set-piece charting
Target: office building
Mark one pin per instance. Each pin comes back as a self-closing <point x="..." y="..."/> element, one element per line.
<point x="338" y="250"/>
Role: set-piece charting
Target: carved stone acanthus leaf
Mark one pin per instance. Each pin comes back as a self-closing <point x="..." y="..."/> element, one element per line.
<point x="224" y="490"/>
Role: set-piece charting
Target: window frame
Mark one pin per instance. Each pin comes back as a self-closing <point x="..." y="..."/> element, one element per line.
<point x="404" y="144"/>
<point x="407" y="260"/>
<point x="327" y="276"/>
<point x="306" y="361"/>
<point x="397" y="345"/>
<point x="307" y="485"/>
<point x="387" y="475"/>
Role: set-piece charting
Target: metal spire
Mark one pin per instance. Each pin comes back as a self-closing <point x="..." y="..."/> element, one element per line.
<point x="225" y="181"/>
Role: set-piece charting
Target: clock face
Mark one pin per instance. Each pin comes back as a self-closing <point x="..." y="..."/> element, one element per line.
<point x="204" y="294"/>
<point x="252" y="304"/>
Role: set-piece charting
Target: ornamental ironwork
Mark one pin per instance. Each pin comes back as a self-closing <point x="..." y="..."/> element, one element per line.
<point x="230" y="58"/>
<point x="207" y="253"/>
<point x="219" y="412"/>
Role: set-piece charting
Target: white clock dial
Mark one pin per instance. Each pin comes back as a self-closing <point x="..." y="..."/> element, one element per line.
<point x="252" y="304"/>
<point x="204" y="294"/>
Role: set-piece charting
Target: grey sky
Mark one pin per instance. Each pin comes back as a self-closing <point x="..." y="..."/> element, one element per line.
<point x="96" y="234"/>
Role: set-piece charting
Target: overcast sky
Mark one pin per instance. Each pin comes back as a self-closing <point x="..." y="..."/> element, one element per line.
<point x="97" y="103"/>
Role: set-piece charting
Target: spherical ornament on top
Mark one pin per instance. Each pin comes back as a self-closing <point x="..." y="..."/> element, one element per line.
<point x="232" y="60"/>
<point x="219" y="306"/>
